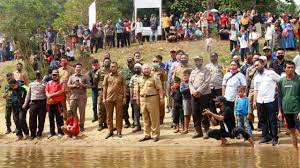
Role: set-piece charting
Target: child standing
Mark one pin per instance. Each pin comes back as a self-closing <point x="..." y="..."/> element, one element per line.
<point x="241" y="110"/>
<point x="208" y="44"/>
<point x="186" y="95"/>
<point x="176" y="104"/>
<point x="71" y="128"/>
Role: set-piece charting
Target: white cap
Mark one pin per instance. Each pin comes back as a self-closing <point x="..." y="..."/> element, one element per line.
<point x="263" y="58"/>
<point x="137" y="65"/>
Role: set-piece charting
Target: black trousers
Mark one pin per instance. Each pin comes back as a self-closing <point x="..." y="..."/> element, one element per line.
<point x="55" y="111"/>
<point x="136" y="113"/>
<point x="20" y="120"/>
<point x="198" y="105"/>
<point x="267" y="120"/>
<point x="178" y="114"/>
<point x="232" y="44"/>
<point x="125" y="109"/>
<point x="214" y="93"/>
<point x="120" y="39"/>
<point x="219" y="133"/>
<point x="37" y="115"/>
<point x="127" y="39"/>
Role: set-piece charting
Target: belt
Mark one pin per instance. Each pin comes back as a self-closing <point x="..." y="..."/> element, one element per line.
<point x="38" y="100"/>
<point x="148" y="95"/>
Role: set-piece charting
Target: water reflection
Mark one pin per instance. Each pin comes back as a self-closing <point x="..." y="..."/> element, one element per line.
<point x="148" y="157"/>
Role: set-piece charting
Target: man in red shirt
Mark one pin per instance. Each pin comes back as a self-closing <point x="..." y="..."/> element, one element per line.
<point x="71" y="128"/>
<point x="223" y="20"/>
<point x="55" y="95"/>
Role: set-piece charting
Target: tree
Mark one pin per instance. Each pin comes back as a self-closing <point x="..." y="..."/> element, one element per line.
<point x="19" y="18"/>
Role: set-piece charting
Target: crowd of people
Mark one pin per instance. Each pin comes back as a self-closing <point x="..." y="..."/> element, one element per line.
<point x="265" y="83"/>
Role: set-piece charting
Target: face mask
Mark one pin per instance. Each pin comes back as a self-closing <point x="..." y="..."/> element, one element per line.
<point x="260" y="70"/>
<point x="184" y="62"/>
<point x="280" y="57"/>
<point x="64" y="63"/>
<point x="155" y="66"/>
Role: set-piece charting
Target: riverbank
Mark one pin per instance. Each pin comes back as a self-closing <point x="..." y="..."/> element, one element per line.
<point x="93" y="138"/>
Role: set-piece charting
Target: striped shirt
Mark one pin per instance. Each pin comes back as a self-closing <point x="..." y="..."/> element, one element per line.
<point x="134" y="85"/>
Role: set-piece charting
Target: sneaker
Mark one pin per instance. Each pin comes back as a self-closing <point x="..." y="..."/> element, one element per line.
<point x="119" y="134"/>
<point x="136" y="129"/>
<point x="94" y="120"/>
<point x="144" y="139"/>
<point x="60" y="135"/>
<point x="155" y="139"/>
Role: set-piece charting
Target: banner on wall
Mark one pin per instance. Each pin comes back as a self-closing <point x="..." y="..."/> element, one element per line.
<point x="142" y="6"/>
<point x="92" y="15"/>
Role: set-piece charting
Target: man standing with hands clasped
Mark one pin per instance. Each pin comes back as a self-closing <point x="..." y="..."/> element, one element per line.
<point x="150" y="94"/>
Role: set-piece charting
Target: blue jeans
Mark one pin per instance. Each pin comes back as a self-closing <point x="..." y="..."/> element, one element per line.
<point x="244" y="123"/>
<point x="95" y="101"/>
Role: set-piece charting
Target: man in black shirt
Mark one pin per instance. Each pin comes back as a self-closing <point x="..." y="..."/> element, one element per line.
<point x="227" y="123"/>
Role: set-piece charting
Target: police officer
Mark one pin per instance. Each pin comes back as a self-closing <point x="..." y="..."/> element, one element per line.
<point x="98" y="80"/>
<point x="199" y="84"/>
<point x="128" y="73"/>
<point x="150" y="93"/>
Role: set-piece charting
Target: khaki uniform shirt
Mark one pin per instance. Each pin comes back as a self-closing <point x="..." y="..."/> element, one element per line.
<point x="134" y="85"/>
<point x="200" y="81"/>
<point x="78" y="93"/>
<point x="216" y="75"/>
<point x="21" y="76"/>
<point x="160" y="75"/>
<point x="114" y="84"/>
<point x="250" y="78"/>
<point x="149" y="85"/>
<point x="65" y="73"/>
<point x="179" y="70"/>
<point x="99" y="77"/>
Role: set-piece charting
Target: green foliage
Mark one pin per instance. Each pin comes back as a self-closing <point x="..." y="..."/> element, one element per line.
<point x="191" y="5"/>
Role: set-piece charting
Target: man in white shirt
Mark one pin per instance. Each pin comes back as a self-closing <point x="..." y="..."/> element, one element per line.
<point x="296" y="60"/>
<point x="265" y="83"/>
<point x="253" y="37"/>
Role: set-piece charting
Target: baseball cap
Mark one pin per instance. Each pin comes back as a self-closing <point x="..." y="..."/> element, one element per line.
<point x="220" y="98"/>
<point x="266" y="48"/>
<point x="198" y="57"/>
<point x="55" y="72"/>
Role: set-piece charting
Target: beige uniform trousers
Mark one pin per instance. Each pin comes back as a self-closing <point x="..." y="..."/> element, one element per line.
<point x="151" y="115"/>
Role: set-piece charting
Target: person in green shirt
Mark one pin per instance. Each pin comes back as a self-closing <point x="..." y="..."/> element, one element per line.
<point x="128" y="73"/>
<point x="289" y="100"/>
<point x="8" y="107"/>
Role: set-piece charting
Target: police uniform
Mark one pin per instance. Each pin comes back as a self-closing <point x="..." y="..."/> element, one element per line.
<point x="98" y="80"/>
<point x="159" y="74"/>
<point x="200" y="82"/>
<point x="113" y="84"/>
<point x="149" y="87"/>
